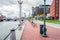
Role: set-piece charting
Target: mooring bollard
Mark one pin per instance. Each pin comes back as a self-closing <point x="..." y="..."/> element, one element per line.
<point x="13" y="36"/>
<point x="19" y="26"/>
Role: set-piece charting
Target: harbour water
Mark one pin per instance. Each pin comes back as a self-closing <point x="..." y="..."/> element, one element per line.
<point x="6" y="26"/>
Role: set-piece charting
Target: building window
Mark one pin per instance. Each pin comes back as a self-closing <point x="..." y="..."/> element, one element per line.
<point x="56" y="1"/>
<point x="56" y="8"/>
<point x="56" y="14"/>
<point x="56" y="11"/>
<point x="57" y="5"/>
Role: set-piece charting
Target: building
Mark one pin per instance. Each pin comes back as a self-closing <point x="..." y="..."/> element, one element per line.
<point x="1" y="17"/>
<point x="59" y="9"/>
<point x="54" y="9"/>
<point x="39" y="10"/>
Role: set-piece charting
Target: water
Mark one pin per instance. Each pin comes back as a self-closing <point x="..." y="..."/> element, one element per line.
<point x="5" y="28"/>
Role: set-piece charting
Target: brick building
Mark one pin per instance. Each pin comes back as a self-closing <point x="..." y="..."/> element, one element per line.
<point x="54" y="9"/>
<point x="59" y="9"/>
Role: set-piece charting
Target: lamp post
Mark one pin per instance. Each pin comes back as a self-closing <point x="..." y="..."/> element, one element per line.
<point x="20" y="6"/>
<point x="32" y="13"/>
<point x="44" y="27"/>
<point x="25" y="15"/>
<point x="29" y="14"/>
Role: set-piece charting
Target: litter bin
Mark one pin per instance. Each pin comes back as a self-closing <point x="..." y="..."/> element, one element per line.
<point x="42" y="29"/>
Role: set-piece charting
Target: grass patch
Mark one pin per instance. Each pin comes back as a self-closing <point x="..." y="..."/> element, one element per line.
<point x="52" y="21"/>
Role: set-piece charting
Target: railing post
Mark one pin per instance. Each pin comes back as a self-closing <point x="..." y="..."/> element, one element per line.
<point x="12" y="36"/>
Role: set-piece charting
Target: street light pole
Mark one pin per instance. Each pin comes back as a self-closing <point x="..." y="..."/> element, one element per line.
<point x="44" y="28"/>
<point x="20" y="6"/>
<point x="32" y="13"/>
<point x="29" y="14"/>
<point x="25" y="15"/>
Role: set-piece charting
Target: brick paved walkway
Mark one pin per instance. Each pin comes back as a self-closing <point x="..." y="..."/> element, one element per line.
<point x="33" y="33"/>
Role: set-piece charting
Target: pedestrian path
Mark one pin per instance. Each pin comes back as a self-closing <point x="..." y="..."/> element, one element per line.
<point x="33" y="33"/>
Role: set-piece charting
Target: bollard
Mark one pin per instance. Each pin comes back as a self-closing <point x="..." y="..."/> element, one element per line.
<point x="20" y="28"/>
<point x="12" y="36"/>
<point x="43" y="30"/>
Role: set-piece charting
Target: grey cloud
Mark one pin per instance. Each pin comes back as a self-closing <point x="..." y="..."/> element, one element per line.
<point x="35" y="2"/>
<point x="7" y="2"/>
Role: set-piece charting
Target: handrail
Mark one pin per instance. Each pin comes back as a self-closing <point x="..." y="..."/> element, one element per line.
<point x="11" y="32"/>
<point x="7" y="36"/>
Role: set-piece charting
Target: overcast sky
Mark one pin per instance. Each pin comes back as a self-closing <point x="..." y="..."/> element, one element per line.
<point x="11" y="7"/>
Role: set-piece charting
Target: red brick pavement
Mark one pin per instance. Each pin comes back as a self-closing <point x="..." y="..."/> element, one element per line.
<point x="33" y="33"/>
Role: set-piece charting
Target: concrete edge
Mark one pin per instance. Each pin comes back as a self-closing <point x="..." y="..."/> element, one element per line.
<point x="22" y="32"/>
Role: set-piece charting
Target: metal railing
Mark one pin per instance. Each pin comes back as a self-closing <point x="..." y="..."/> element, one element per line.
<point x="12" y="33"/>
<point x="7" y="36"/>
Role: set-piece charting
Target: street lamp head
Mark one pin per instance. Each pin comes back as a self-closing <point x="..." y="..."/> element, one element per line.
<point x="32" y="7"/>
<point x="44" y="0"/>
<point x="20" y="2"/>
